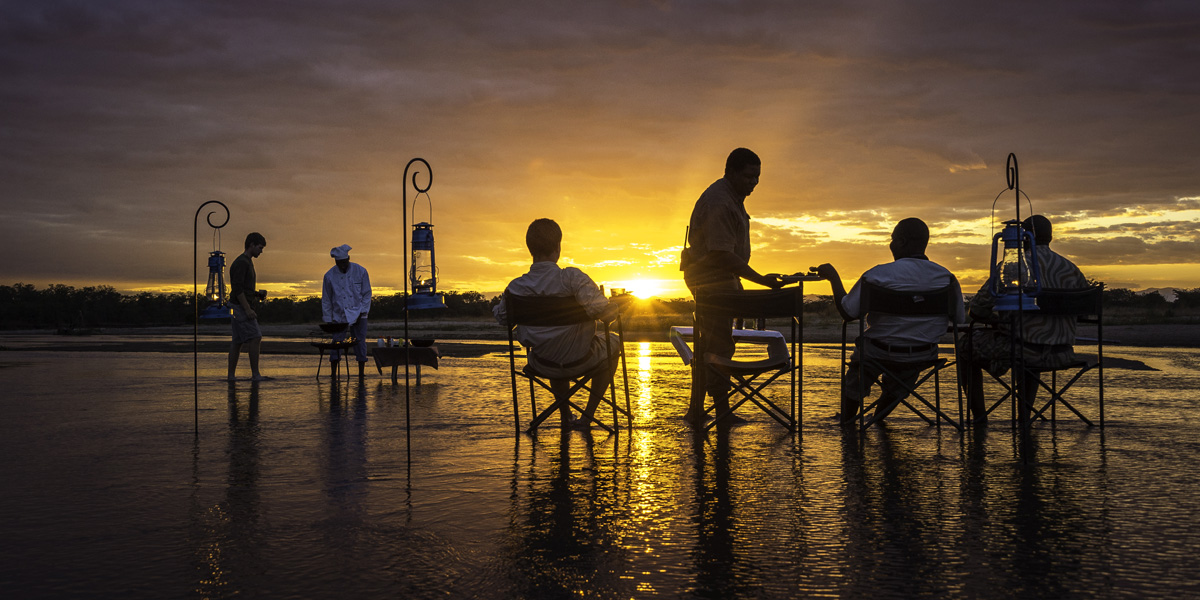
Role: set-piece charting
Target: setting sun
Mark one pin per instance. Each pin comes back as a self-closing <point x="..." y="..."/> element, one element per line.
<point x="640" y="288"/>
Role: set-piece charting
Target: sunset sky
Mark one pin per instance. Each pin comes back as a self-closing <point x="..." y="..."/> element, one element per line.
<point x="118" y="119"/>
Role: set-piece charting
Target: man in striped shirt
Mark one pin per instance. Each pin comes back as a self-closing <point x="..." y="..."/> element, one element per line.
<point x="1046" y="342"/>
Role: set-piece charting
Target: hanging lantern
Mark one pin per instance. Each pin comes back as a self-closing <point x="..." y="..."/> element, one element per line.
<point x="1015" y="283"/>
<point x="214" y="291"/>
<point x="423" y="273"/>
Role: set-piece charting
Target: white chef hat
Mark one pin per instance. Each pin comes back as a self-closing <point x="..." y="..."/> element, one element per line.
<point x="341" y="252"/>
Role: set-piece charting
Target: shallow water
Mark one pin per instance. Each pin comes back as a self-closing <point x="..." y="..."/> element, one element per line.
<point x="298" y="488"/>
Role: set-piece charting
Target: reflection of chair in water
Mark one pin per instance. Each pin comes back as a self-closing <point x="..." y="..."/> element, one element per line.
<point x="879" y="300"/>
<point x="745" y="375"/>
<point x="557" y="311"/>
<point x="1085" y="306"/>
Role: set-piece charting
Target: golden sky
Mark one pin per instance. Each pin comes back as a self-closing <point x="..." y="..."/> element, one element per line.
<point x="119" y="119"/>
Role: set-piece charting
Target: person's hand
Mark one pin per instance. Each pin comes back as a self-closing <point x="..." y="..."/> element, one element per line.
<point x="773" y="280"/>
<point x="826" y="271"/>
<point x="250" y="314"/>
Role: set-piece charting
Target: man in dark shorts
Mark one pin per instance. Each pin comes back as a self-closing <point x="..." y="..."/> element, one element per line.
<point x="246" y="297"/>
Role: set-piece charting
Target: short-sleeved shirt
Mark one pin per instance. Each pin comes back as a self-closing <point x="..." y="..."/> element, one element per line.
<point x="563" y="344"/>
<point x="719" y="223"/>
<point x="1057" y="272"/>
<point x="242" y="280"/>
<point x="906" y="275"/>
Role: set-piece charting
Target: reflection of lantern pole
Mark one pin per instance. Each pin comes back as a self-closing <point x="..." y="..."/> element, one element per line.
<point x="196" y="299"/>
<point x="404" y="259"/>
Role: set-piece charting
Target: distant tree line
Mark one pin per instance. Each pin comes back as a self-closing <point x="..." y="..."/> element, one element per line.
<point x="56" y="306"/>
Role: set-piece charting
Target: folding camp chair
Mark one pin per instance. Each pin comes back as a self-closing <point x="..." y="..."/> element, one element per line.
<point x="1086" y="306"/>
<point x="559" y="311"/>
<point x="879" y="300"/>
<point x="750" y="377"/>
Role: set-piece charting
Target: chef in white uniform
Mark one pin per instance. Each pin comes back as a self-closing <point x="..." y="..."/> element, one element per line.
<point x="346" y="298"/>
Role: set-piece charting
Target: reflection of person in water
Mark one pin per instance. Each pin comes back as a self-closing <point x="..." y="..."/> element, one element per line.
<point x="238" y="533"/>
<point x="562" y="539"/>
<point x="716" y="574"/>
<point x="345" y="465"/>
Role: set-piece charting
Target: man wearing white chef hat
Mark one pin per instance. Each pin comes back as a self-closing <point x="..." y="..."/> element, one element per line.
<point x="346" y="298"/>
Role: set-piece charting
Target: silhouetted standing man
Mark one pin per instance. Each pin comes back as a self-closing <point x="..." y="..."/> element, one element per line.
<point x="242" y="288"/>
<point x="716" y="261"/>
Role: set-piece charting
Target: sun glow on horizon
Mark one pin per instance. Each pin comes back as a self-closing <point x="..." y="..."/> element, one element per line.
<point x="642" y="289"/>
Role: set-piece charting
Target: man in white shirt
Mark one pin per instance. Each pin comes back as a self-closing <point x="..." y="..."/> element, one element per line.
<point x="894" y="338"/>
<point x="346" y="298"/>
<point x="560" y="352"/>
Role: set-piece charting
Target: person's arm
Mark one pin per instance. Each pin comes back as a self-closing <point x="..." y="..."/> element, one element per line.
<point x="237" y="282"/>
<point x="728" y="261"/>
<point x="327" y="300"/>
<point x="365" y="307"/>
<point x="250" y="314"/>
<point x="982" y="303"/>
<point x="828" y="272"/>
<point x="956" y="295"/>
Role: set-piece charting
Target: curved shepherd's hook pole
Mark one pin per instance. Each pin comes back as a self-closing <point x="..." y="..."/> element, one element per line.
<point x="196" y="300"/>
<point x="404" y="263"/>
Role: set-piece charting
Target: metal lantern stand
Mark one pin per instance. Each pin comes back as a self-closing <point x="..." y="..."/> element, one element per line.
<point x="196" y="300"/>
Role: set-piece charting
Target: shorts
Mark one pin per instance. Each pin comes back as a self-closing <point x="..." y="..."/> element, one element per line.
<point x="244" y="329"/>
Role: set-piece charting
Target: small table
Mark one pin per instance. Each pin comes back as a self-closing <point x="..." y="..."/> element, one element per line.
<point x="331" y="346"/>
<point x="394" y="357"/>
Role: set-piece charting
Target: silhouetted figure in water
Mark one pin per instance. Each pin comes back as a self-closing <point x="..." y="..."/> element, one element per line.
<point x="564" y="351"/>
<point x="1045" y="341"/>
<point x="717" y="260"/>
<point x="242" y="288"/>
<point x="346" y="298"/>
<point x="893" y="338"/>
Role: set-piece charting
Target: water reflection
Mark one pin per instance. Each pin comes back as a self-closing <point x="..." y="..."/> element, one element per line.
<point x="231" y="536"/>
<point x="717" y="572"/>
<point x="303" y="489"/>
<point x="560" y="540"/>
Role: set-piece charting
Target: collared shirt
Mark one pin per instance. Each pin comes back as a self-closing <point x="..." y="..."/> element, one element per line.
<point x="906" y="275"/>
<point x="561" y="344"/>
<point x="1057" y="272"/>
<point x="719" y="222"/>
<point x="345" y="296"/>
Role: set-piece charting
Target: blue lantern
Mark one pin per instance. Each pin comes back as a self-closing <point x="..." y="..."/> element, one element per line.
<point x="214" y="291"/>
<point x="1016" y="277"/>
<point x="423" y="273"/>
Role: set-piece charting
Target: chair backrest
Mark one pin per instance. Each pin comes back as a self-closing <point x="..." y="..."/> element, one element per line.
<point x="752" y="304"/>
<point x="877" y="299"/>
<point x="544" y="310"/>
<point x="1082" y="302"/>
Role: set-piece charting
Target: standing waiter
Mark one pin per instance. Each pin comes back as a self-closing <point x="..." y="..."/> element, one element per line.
<point x="716" y="261"/>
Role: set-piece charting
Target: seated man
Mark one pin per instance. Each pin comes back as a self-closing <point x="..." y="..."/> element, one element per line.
<point x="562" y="352"/>
<point x="893" y="338"/>
<point x="1046" y="341"/>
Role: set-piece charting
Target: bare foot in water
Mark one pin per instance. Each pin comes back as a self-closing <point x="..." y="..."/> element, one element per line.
<point x="261" y="378"/>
